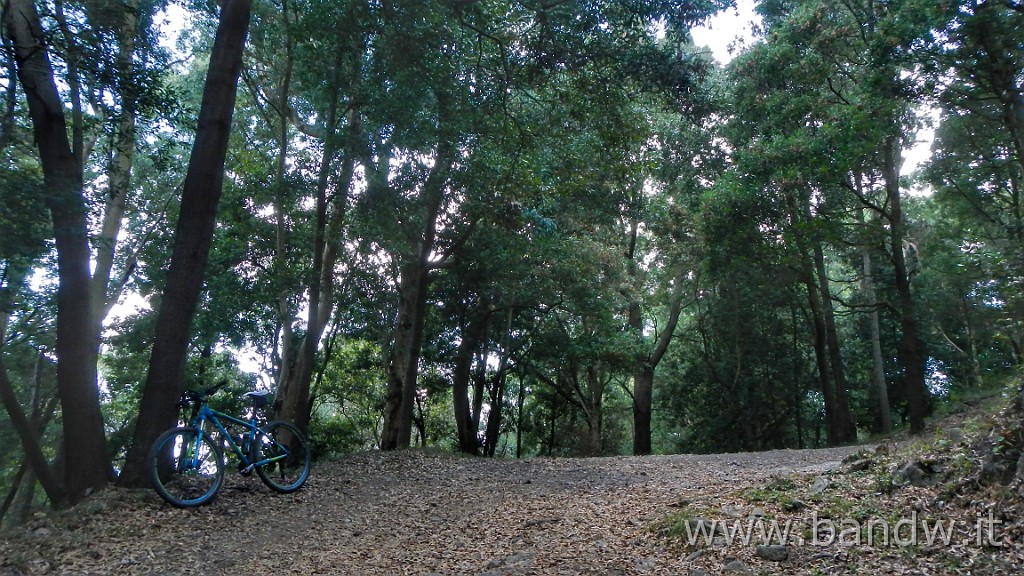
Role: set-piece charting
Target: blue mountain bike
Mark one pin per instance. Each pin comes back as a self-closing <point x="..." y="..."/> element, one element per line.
<point x="186" y="464"/>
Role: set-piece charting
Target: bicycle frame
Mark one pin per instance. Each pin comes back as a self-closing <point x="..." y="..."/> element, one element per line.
<point x="214" y="416"/>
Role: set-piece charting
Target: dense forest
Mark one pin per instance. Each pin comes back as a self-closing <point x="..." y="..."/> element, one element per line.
<point x="506" y="228"/>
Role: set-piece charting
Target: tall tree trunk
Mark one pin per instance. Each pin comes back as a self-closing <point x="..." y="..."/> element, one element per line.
<point x="295" y="395"/>
<point x="846" y="427"/>
<point x="192" y="239"/>
<point x="877" y="362"/>
<point x="591" y="400"/>
<point x="646" y="364"/>
<point x="493" y="432"/>
<point x="912" y="352"/>
<point x="795" y="380"/>
<point x="88" y="459"/>
<point x="838" y="420"/>
<point x="473" y="333"/>
<point x="520" y="402"/>
<point x="119" y="176"/>
<point x="403" y="361"/>
<point x="285" y="312"/>
<point x="821" y="360"/>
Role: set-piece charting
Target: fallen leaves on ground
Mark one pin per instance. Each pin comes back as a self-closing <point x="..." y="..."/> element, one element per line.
<point x="416" y="512"/>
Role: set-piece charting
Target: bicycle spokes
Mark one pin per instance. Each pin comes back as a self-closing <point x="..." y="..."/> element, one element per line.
<point x="186" y="467"/>
<point x="285" y="457"/>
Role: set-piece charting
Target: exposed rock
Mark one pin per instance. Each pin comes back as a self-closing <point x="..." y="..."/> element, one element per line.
<point x="731" y="511"/>
<point x="916" y="474"/>
<point x="736" y="567"/>
<point x="644" y="564"/>
<point x="820" y="485"/>
<point x="993" y="471"/>
<point x="773" y="552"/>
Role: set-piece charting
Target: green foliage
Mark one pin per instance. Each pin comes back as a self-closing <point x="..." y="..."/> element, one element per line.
<point x="600" y="176"/>
<point x="349" y="399"/>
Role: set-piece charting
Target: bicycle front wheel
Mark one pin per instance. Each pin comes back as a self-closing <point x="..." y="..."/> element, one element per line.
<point x="287" y="456"/>
<point x="186" y="467"/>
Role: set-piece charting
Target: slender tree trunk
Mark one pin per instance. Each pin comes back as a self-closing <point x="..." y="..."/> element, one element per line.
<point x="493" y="432"/>
<point x="294" y="394"/>
<point x="285" y="312"/>
<point x="30" y="442"/>
<point x="798" y="392"/>
<point x="192" y="240"/>
<point x="912" y="352"/>
<point x="520" y="401"/>
<point x="647" y="364"/>
<point x="833" y="434"/>
<point x="119" y="176"/>
<point x="592" y="402"/>
<point x="403" y="362"/>
<point x="88" y="459"/>
<point x="12" y="492"/>
<point x="976" y="379"/>
<point x="877" y="362"/>
<point x="846" y="427"/>
<point x="474" y="331"/>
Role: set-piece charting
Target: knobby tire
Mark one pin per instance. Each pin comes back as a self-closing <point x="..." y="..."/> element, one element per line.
<point x="178" y="477"/>
<point x="289" y="474"/>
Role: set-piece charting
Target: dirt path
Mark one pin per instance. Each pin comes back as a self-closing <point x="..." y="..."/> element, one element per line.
<point x="406" y="513"/>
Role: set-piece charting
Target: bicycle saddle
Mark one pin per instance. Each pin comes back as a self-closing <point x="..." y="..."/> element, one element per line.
<point x="259" y="398"/>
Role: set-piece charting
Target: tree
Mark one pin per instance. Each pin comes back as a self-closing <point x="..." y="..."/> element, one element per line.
<point x="193" y="235"/>
<point x="978" y="161"/>
<point x="87" y="462"/>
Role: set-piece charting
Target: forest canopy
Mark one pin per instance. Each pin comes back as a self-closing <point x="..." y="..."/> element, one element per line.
<point x="505" y="228"/>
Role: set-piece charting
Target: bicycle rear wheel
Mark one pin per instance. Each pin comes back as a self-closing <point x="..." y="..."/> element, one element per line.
<point x="289" y="448"/>
<point x="186" y="467"/>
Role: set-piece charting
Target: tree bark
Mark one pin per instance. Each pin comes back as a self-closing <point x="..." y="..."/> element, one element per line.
<point x="821" y="360"/>
<point x="403" y="361"/>
<point x="497" y="396"/>
<point x="877" y="362"/>
<point x="119" y="176"/>
<point x="192" y="240"/>
<point x="88" y="460"/>
<point x="30" y="442"/>
<point x="912" y="353"/>
<point x="294" y="395"/>
<point x="846" y="427"/>
<point x="473" y="333"/>
<point x="643" y="373"/>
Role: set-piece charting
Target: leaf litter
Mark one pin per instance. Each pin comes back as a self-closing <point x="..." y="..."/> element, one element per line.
<point x="429" y="513"/>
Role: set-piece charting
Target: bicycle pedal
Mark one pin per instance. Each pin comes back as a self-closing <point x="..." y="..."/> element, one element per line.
<point x="245" y="470"/>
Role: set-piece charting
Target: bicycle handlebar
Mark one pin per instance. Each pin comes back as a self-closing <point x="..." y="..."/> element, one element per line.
<point x="189" y="397"/>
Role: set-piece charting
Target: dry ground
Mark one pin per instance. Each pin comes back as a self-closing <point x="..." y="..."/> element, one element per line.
<point x="429" y="513"/>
